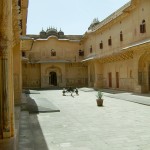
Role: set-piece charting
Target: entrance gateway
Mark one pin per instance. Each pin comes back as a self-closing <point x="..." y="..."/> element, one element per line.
<point x="53" y="78"/>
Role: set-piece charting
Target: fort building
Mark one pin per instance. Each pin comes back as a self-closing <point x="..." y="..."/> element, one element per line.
<point x="113" y="53"/>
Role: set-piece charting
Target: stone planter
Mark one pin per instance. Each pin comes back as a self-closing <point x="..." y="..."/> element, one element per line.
<point x="99" y="102"/>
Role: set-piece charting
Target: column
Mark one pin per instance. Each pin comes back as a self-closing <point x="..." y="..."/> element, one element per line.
<point x="98" y="75"/>
<point x="6" y="77"/>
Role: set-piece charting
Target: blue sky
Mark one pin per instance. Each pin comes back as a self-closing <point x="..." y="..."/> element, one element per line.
<point x="72" y="16"/>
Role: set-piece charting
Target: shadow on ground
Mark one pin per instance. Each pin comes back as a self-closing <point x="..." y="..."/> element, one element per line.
<point x="112" y="91"/>
<point x="38" y="136"/>
<point x="40" y="105"/>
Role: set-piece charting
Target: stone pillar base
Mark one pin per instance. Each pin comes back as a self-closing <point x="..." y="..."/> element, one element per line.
<point x="7" y="144"/>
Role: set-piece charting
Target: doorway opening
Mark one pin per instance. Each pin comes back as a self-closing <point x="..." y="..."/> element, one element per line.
<point x="53" y="78"/>
<point x="110" y="79"/>
<point x="117" y="79"/>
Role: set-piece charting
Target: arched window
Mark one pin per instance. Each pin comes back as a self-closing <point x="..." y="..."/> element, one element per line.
<point x="143" y="26"/>
<point x="81" y="52"/>
<point x="53" y="52"/>
<point x="23" y="54"/>
<point x="101" y="45"/>
<point x="121" y="36"/>
<point x="109" y="41"/>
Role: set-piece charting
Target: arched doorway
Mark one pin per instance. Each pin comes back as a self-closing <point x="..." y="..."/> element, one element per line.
<point x="144" y="72"/>
<point x="53" y="78"/>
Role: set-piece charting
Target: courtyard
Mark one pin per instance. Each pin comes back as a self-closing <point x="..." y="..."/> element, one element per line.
<point x="81" y="125"/>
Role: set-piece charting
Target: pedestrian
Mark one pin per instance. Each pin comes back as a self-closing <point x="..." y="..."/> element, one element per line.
<point x="76" y="91"/>
<point x="64" y="91"/>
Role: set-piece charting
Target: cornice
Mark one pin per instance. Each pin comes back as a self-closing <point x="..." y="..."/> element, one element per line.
<point x="114" y="18"/>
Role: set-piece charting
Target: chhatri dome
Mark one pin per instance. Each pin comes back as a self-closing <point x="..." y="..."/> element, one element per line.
<point x="42" y="33"/>
<point x="51" y="31"/>
<point x="60" y="33"/>
<point x="94" y="23"/>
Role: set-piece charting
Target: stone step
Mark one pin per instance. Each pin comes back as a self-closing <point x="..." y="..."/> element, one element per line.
<point x="26" y="141"/>
<point x="17" y="122"/>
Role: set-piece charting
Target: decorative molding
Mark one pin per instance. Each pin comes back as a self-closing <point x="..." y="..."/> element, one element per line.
<point x="3" y="47"/>
<point x="16" y="17"/>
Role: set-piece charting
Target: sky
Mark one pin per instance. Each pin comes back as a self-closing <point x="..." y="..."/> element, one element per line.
<point x="73" y="17"/>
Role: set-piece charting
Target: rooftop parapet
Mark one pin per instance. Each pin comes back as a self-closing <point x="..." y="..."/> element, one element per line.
<point x="110" y="17"/>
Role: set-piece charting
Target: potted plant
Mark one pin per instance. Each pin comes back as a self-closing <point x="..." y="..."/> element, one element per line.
<point x="99" y="99"/>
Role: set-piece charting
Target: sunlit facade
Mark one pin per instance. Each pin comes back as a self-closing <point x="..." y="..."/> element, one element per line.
<point x="113" y="53"/>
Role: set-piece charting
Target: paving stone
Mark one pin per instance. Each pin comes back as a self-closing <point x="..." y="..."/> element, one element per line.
<point x="41" y="105"/>
<point x="26" y="141"/>
<point x="81" y="125"/>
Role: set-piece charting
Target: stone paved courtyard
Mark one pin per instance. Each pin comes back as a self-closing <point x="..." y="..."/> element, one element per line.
<point x="81" y="125"/>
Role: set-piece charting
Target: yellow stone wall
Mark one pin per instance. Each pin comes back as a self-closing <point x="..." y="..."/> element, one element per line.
<point x="120" y="56"/>
<point x="64" y="48"/>
<point x="70" y="72"/>
<point x="125" y="69"/>
<point x="121" y="59"/>
<point x="31" y="75"/>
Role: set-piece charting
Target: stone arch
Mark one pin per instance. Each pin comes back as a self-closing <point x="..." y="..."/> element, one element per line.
<point x="144" y="72"/>
<point x="55" y="73"/>
<point x="53" y="78"/>
<point x="53" y="68"/>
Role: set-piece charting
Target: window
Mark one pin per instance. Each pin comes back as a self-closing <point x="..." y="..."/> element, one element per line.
<point x="143" y="27"/>
<point x="53" y="52"/>
<point x="91" y="49"/>
<point x="19" y="4"/>
<point x="121" y="36"/>
<point x="101" y="45"/>
<point x="81" y="52"/>
<point x="23" y="54"/>
<point x="109" y="41"/>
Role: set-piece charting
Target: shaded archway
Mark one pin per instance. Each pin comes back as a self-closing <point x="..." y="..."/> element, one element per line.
<point x="53" y="78"/>
<point x="144" y="72"/>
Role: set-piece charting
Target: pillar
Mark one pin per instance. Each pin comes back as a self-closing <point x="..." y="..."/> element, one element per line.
<point x="6" y="77"/>
<point x="17" y="74"/>
<point x="98" y="75"/>
<point x="137" y="87"/>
